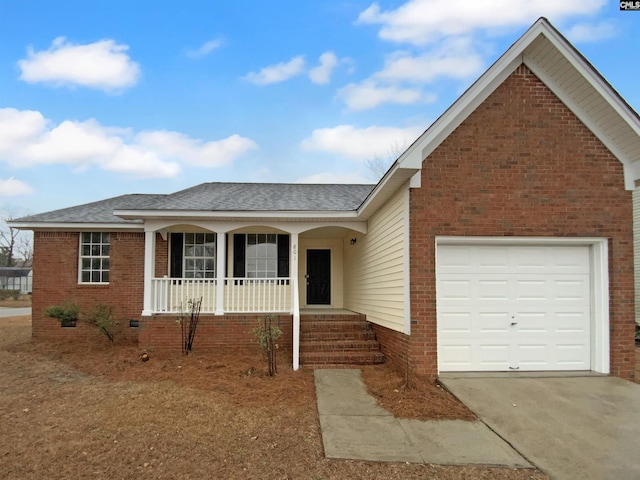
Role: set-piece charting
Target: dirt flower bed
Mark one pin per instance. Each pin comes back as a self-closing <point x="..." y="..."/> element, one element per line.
<point x="98" y="411"/>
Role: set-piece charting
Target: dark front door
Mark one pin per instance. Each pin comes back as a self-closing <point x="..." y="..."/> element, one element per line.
<point x="318" y="277"/>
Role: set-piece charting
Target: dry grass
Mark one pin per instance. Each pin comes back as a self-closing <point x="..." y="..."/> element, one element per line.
<point x="22" y="301"/>
<point x="97" y="411"/>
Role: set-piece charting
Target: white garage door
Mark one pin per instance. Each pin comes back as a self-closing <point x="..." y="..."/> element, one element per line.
<point x="506" y="308"/>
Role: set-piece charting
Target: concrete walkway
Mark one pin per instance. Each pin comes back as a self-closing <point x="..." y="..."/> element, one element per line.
<point x="14" y="312"/>
<point x="355" y="427"/>
<point x="573" y="427"/>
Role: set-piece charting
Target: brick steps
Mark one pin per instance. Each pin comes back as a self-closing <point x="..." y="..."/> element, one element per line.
<point x="338" y="340"/>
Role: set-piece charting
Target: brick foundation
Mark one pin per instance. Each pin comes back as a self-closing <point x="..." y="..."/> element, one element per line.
<point x="161" y="332"/>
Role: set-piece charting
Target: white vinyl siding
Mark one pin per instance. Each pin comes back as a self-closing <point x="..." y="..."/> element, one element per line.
<point x="375" y="266"/>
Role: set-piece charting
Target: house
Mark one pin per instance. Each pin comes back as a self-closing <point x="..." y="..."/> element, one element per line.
<point x="500" y="240"/>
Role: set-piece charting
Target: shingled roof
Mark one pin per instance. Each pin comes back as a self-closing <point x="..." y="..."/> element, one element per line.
<point x="216" y="197"/>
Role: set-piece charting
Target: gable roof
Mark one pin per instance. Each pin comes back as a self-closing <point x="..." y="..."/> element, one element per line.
<point x="235" y="197"/>
<point x="127" y="210"/>
<point x="569" y="75"/>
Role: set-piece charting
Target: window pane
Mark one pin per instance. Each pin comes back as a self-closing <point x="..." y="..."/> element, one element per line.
<point x="105" y="263"/>
<point x="199" y="264"/>
<point x="96" y="237"/>
<point x="189" y="251"/>
<point x="210" y="251"/>
<point x="105" y="237"/>
<point x="86" y="250"/>
<point x="86" y="276"/>
<point x="198" y="251"/>
<point x="86" y="263"/>
<point x="209" y="264"/>
<point x="95" y="250"/>
<point x="188" y="238"/>
<point x="189" y="264"/>
<point x="95" y="277"/>
<point x="105" y="250"/>
<point x="105" y="276"/>
<point x="86" y="238"/>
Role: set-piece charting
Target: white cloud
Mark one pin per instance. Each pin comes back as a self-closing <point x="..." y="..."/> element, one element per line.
<point x="104" y="65"/>
<point x="12" y="188"/>
<point x="322" y="73"/>
<point x="585" y="33"/>
<point x="422" y="21"/>
<point x="277" y="73"/>
<point x="326" y="177"/>
<point x="27" y="139"/>
<point x="369" y="94"/>
<point x="195" y="151"/>
<point x="360" y="143"/>
<point x="453" y="58"/>
<point x="205" y="49"/>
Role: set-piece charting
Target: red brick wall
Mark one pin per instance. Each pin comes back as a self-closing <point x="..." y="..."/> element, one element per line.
<point x="521" y="165"/>
<point x="395" y="347"/>
<point x="55" y="280"/>
<point x="162" y="256"/>
<point x="161" y="332"/>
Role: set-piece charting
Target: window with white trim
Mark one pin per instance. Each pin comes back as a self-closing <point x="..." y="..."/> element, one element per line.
<point x="199" y="255"/>
<point x="95" y="250"/>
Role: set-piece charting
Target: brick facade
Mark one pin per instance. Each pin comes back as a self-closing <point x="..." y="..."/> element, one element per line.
<point x="521" y="164"/>
<point x="55" y="280"/>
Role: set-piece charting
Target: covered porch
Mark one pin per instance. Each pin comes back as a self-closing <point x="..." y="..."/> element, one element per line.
<point x="243" y="269"/>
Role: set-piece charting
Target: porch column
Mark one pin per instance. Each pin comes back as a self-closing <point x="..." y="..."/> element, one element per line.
<point x="149" y="269"/>
<point x="295" y="298"/>
<point x="221" y="249"/>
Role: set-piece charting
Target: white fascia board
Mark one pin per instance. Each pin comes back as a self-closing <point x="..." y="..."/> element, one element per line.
<point x="389" y="184"/>
<point x="469" y="101"/>
<point x="227" y="226"/>
<point x="80" y="227"/>
<point x="249" y="215"/>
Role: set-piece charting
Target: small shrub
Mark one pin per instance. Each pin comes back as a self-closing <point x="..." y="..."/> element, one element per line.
<point x="189" y="323"/>
<point x="67" y="313"/>
<point x="101" y="316"/>
<point x="5" y="294"/>
<point x="267" y="335"/>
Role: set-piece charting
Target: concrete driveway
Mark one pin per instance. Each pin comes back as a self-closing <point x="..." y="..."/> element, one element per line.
<point x="569" y="427"/>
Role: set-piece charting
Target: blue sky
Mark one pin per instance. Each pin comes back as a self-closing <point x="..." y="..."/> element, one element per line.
<point x="100" y="98"/>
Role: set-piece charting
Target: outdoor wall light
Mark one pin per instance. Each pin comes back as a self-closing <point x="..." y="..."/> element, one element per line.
<point x="353" y="241"/>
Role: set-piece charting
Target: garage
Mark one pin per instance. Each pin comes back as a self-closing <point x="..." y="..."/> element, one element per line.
<point x="517" y="307"/>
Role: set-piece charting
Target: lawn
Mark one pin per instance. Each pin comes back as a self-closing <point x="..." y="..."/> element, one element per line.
<point x="97" y="411"/>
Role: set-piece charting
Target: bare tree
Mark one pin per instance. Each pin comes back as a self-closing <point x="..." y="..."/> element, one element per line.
<point x="379" y="164"/>
<point x="16" y="247"/>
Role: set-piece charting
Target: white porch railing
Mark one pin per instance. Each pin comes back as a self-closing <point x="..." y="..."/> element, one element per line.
<point x="257" y="295"/>
<point x="241" y="295"/>
<point x="170" y="295"/>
